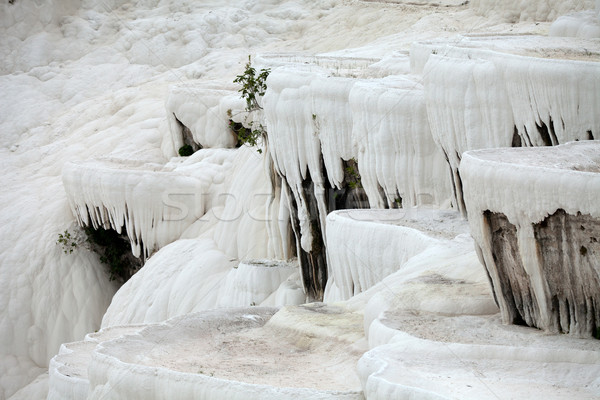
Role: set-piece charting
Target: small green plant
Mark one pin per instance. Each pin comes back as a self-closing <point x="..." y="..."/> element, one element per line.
<point x="352" y="175"/>
<point x="67" y="242"/>
<point x="244" y="135"/>
<point x="254" y="86"/>
<point x="186" y="150"/>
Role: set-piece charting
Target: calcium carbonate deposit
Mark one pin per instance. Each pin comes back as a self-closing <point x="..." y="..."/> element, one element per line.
<point x="415" y="215"/>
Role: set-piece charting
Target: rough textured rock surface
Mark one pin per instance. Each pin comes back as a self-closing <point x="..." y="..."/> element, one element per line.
<point x="571" y="240"/>
<point x="514" y="284"/>
<point x="534" y="215"/>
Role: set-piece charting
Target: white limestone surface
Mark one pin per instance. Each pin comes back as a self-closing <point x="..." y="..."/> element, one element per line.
<point x="234" y="354"/>
<point x="380" y="124"/>
<point x="585" y="24"/>
<point x="252" y="282"/>
<point x="68" y="370"/>
<point x="517" y="10"/>
<point x="502" y="100"/>
<point x="139" y="197"/>
<point x="465" y="364"/>
<point x="82" y="80"/>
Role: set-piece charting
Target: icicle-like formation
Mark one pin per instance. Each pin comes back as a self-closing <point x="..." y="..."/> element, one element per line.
<point x="293" y="142"/>
<point x="365" y="246"/>
<point x="154" y="203"/>
<point x="190" y="274"/>
<point x="397" y="156"/>
<point x="204" y="111"/>
<point x="517" y="10"/>
<point x="501" y="100"/>
<point x="381" y="123"/>
<point x="316" y="122"/>
<point x="535" y="215"/>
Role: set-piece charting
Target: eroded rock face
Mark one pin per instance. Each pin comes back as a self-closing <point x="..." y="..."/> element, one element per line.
<point x="570" y="255"/>
<point x="568" y="252"/>
<point x="515" y="286"/>
<point x="535" y="217"/>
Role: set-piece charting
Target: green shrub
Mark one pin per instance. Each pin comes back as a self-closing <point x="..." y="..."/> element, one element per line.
<point x="254" y="85"/>
<point x="186" y="150"/>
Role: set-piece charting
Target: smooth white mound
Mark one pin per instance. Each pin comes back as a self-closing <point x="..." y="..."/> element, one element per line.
<point x="262" y="282"/>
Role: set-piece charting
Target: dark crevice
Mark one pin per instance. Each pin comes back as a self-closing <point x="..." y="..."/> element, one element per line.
<point x="544" y="134"/>
<point x="187" y="136"/>
<point x="552" y="132"/>
<point x="590" y="136"/>
<point x="115" y="252"/>
<point x="516" y="139"/>
<point x="352" y="195"/>
<point x="459" y="190"/>
<point x="513" y="280"/>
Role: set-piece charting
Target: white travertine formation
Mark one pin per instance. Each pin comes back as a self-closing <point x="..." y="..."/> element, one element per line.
<point x="82" y="80"/>
<point x="585" y="24"/>
<point x="381" y="124"/>
<point x="519" y="10"/>
<point x="365" y="246"/>
<point x="500" y="100"/>
<point x="204" y="111"/>
<point x="235" y="355"/>
<point x="534" y="215"/>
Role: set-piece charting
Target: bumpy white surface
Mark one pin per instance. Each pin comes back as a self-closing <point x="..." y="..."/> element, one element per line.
<point x="585" y="24"/>
<point x="518" y="10"/>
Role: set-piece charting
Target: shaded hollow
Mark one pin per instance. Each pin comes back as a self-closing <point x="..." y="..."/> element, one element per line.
<point x="114" y="250"/>
<point x="187" y="136"/>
